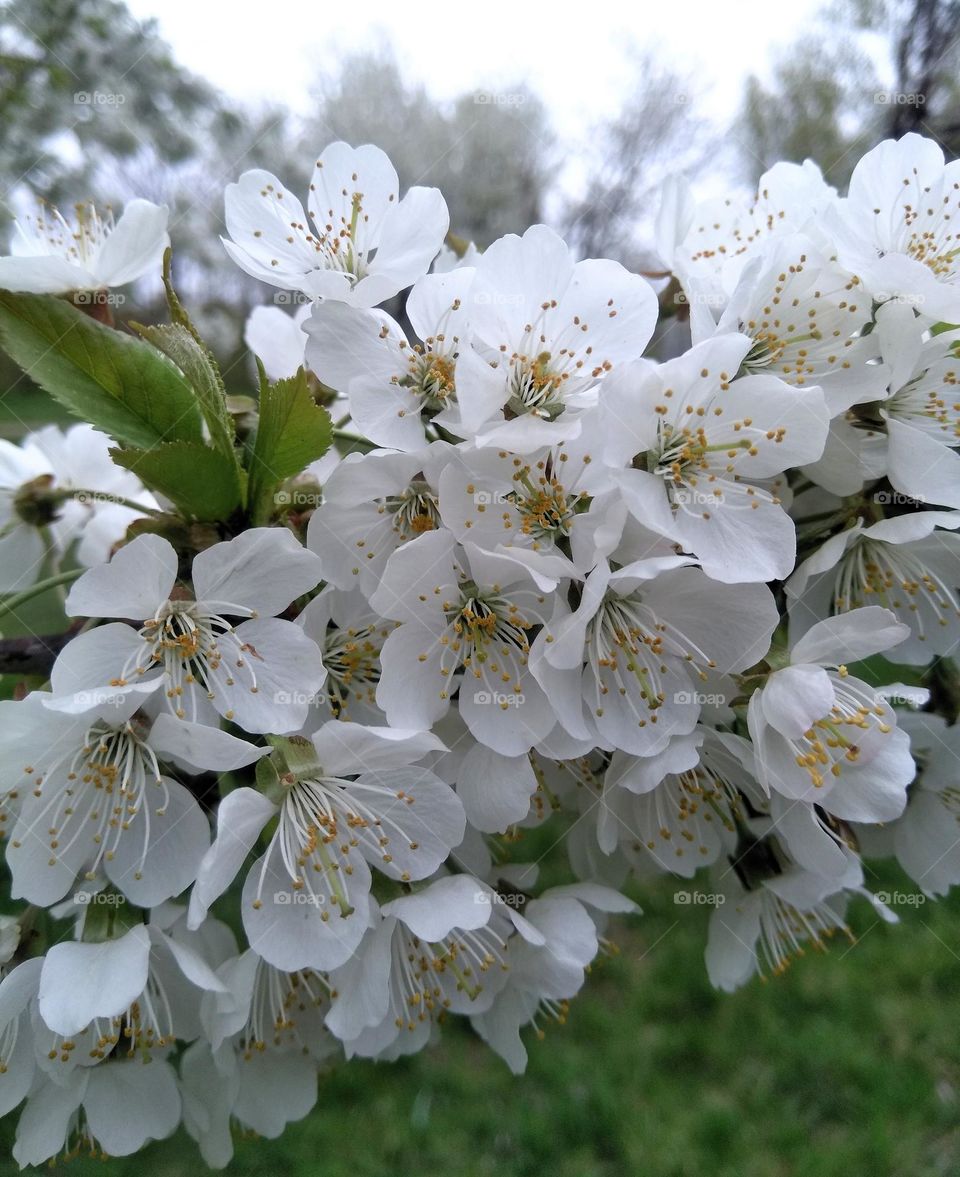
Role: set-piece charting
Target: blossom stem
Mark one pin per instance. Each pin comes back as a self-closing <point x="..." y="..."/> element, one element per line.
<point x="100" y="496"/>
<point x="12" y="603"/>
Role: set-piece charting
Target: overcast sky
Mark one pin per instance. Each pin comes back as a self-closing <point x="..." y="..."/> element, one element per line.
<point x="579" y="66"/>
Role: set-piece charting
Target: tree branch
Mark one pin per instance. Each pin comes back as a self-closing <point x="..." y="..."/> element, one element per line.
<point x="32" y="654"/>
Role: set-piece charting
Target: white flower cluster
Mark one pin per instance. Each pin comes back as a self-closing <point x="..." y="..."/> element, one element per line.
<point x="279" y="788"/>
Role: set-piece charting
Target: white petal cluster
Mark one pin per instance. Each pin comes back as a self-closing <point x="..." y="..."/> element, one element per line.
<point x="283" y="782"/>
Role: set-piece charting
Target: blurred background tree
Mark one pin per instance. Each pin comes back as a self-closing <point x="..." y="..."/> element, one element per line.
<point x="94" y="103"/>
<point x="871" y="69"/>
<point x="491" y="153"/>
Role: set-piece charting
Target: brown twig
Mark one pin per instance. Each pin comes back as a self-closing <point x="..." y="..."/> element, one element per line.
<point x="33" y="654"/>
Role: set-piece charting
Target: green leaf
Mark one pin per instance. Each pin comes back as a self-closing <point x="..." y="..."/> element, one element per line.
<point x="199" y="480"/>
<point x="182" y="342"/>
<point x="199" y="367"/>
<point x="120" y="384"/>
<point x="293" y="432"/>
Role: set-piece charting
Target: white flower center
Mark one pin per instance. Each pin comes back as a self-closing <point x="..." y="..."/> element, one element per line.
<point x="628" y="649"/>
<point x="78" y="241"/>
<point x="197" y="649"/>
<point x="283" y="1010"/>
<point x="785" y="930"/>
<point x="352" y="659"/>
<point x="891" y="575"/>
<point x="424" y="976"/>
<point x="111" y="778"/>
<point x="838" y="738"/>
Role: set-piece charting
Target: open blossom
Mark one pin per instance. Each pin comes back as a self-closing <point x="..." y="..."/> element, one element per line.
<point x="805" y="315"/>
<point x="466" y="610"/>
<point x="896" y="227"/>
<point x="107" y="1013"/>
<point x="904" y="564"/>
<point x="54" y="254"/>
<point x="261" y="672"/>
<point x="698" y="453"/>
<point x="441" y="949"/>
<point x="546" y="331"/>
<point x="678" y="809"/>
<point x="373" y="504"/>
<point x="921" y="412"/>
<point x="823" y="736"/>
<point x="98" y="801"/>
<point x="350" y="637"/>
<point x="925" y="838"/>
<point x="763" y="929"/>
<point x="557" y="939"/>
<point x="355" y="798"/>
<point x="537" y="503"/>
<point x="57" y="489"/>
<point x="395" y="386"/>
<point x="626" y="668"/>
<point x="357" y="242"/>
<point x="712" y="242"/>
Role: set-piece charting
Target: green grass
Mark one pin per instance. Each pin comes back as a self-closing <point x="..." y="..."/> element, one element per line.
<point x="848" y="1065"/>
